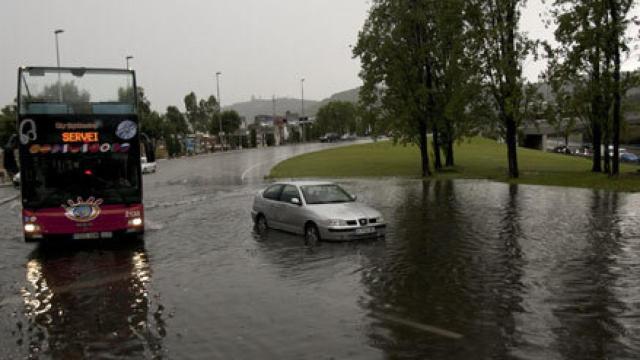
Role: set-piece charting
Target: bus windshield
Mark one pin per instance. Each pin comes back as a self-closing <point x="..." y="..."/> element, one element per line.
<point x="76" y="91"/>
<point x="54" y="179"/>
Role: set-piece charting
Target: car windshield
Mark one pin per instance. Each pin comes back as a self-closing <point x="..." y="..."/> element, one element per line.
<point x="325" y="194"/>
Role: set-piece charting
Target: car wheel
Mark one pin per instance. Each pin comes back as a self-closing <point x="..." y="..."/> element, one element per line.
<point x="261" y="224"/>
<point x="311" y="235"/>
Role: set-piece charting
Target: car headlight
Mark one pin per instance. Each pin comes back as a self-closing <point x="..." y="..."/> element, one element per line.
<point x="337" y="222"/>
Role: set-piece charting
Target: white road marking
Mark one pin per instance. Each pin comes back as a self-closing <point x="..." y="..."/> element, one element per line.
<point x="253" y="167"/>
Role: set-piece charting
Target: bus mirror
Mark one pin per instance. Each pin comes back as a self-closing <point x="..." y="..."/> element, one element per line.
<point x="149" y="149"/>
<point x="9" y="156"/>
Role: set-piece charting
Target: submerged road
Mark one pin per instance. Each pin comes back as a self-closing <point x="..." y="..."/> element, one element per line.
<point x="469" y="269"/>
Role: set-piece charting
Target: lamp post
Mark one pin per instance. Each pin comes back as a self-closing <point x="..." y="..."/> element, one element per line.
<point x="219" y="107"/>
<point x="302" y="96"/>
<point x="56" y="32"/>
<point x="302" y="109"/>
<point x="129" y="57"/>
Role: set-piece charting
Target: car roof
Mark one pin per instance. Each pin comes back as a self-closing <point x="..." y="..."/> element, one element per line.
<point x="304" y="183"/>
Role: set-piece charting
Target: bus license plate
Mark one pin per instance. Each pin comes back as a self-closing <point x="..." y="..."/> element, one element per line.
<point x="367" y="230"/>
<point x="88" y="236"/>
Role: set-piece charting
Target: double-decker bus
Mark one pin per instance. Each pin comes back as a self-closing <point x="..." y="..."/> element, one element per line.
<point x="79" y="147"/>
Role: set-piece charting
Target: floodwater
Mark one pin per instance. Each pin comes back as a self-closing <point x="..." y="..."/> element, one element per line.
<point x="469" y="270"/>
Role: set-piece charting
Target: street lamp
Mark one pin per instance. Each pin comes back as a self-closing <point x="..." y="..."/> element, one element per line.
<point x="56" y="32"/>
<point x="219" y="105"/>
<point x="129" y="57"/>
<point x="302" y="95"/>
<point x="302" y="109"/>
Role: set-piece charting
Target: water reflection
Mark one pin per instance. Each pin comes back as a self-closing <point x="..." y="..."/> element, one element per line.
<point x="516" y="271"/>
<point x="435" y="279"/>
<point x="90" y="303"/>
<point x="586" y="304"/>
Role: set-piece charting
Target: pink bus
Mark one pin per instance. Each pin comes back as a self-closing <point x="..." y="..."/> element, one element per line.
<point x="79" y="147"/>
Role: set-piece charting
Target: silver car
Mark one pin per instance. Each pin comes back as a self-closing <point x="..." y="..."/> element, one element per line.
<point x="317" y="210"/>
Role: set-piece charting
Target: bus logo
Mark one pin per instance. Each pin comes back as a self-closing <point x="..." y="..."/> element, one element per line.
<point x="82" y="211"/>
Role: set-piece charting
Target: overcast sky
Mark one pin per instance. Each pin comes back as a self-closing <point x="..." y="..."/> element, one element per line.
<point x="262" y="47"/>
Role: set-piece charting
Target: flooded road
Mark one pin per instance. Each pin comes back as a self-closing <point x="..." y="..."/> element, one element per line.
<point x="469" y="270"/>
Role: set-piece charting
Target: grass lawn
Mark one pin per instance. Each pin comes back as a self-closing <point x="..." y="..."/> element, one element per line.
<point x="476" y="158"/>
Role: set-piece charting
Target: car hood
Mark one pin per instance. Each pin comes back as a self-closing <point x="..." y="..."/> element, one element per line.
<point x="344" y="211"/>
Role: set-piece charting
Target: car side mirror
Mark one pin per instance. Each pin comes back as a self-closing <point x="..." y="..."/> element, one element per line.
<point x="353" y="197"/>
<point x="296" y="201"/>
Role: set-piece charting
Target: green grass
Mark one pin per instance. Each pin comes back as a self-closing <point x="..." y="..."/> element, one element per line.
<point x="477" y="158"/>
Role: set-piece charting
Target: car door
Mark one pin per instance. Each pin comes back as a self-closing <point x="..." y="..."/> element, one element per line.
<point x="289" y="214"/>
<point x="271" y="204"/>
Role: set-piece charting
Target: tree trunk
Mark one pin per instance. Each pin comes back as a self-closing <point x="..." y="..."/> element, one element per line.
<point x="615" y="46"/>
<point x="596" y="142"/>
<point x="511" y="84"/>
<point x="512" y="147"/>
<point x="436" y="149"/>
<point x="449" y="151"/>
<point x="607" y="156"/>
<point x="424" y="150"/>
<point x="450" y="159"/>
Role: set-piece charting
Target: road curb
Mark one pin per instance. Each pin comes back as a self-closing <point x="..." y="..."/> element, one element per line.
<point x="9" y="199"/>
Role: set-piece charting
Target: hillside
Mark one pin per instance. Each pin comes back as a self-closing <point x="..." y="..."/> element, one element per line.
<point x="249" y="109"/>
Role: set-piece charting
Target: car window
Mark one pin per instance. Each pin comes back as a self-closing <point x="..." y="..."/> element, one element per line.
<point x="325" y="194"/>
<point x="289" y="192"/>
<point x="273" y="192"/>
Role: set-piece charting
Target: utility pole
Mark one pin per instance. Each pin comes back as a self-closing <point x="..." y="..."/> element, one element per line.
<point x="56" y="32"/>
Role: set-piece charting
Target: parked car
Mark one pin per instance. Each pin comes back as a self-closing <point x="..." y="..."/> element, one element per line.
<point x="16" y="180"/>
<point x="629" y="157"/>
<point x="317" y="210"/>
<point x="348" y="137"/>
<point x="148" y="167"/>
<point x="329" y="137"/>
<point x="562" y="149"/>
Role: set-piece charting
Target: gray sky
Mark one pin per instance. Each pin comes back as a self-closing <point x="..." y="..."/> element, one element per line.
<point x="262" y="47"/>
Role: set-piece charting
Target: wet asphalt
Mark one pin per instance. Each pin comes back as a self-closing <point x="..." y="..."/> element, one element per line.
<point x="469" y="270"/>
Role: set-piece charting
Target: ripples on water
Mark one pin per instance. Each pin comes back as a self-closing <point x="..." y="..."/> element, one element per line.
<point x="519" y="271"/>
<point x="468" y="270"/>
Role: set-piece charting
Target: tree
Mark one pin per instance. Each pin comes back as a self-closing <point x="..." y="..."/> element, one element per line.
<point x="591" y="37"/>
<point x="397" y="71"/>
<point x="176" y="121"/>
<point x="337" y="116"/>
<point x="69" y="91"/>
<point x="150" y="121"/>
<point x="501" y="49"/>
<point x="199" y="114"/>
<point x="191" y="110"/>
<point x="8" y="119"/>
<point x="618" y="13"/>
<point x="231" y="121"/>
<point x="207" y="111"/>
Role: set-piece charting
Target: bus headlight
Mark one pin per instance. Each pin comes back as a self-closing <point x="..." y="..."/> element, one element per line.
<point x="31" y="228"/>
<point x="135" y="222"/>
